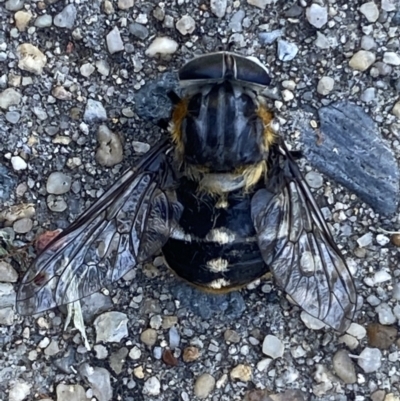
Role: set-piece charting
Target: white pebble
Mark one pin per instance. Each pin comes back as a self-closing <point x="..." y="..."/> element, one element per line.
<point x="391" y="58"/>
<point x="317" y="16"/>
<point x="370" y="360"/>
<point x="370" y="11"/>
<point x="162" y="46"/>
<point x="365" y="240"/>
<point x="311" y="322"/>
<point x="152" y="386"/>
<point x="186" y="25"/>
<point x="273" y="347"/>
<point x="357" y="331"/>
<point x="114" y="41"/>
<point x="18" y="163"/>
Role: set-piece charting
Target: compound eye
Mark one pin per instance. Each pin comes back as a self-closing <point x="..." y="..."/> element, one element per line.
<point x="208" y="67"/>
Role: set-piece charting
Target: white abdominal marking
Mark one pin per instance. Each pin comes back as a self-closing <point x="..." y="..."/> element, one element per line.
<point x="218" y="265"/>
<point x="219" y="283"/>
<point x="221" y="236"/>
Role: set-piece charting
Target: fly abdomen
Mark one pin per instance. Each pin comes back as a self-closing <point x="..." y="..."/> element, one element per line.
<point x="215" y="266"/>
<point x="214" y="247"/>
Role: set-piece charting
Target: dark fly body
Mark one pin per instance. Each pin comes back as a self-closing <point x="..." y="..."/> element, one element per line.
<point x="221" y="197"/>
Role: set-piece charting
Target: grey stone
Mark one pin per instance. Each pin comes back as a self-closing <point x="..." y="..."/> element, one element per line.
<point x="114" y="41"/>
<point x="267" y="38"/>
<point x="43" y="21"/>
<point x="273" y="347"/>
<point x="344" y="367"/>
<point x="99" y="380"/>
<point x="13" y="117"/>
<point x="66" y="18"/>
<point x="138" y="30"/>
<point x="363" y="163"/>
<point x="287" y="50"/>
<point x="58" y="183"/>
<point x="9" y="97"/>
<point x="316" y="15"/>
<point x="70" y="392"/>
<point x="218" y="7"/>
<point x="235" y="24"/>
<point x="368" y="95"/>
<point x="14" y="5"/>
<point x="111" y="327"/>
<point x="94" y="112"/>
<point x="370" y="360"/>
<point x="7" y="183"/>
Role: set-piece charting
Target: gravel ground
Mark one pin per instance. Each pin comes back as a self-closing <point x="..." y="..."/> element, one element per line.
<point x="70" y="74"/>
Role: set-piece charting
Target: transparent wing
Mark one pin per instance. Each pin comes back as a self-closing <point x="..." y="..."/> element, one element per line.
<point x="297" y="245"/>
<point x="127" y="225"/>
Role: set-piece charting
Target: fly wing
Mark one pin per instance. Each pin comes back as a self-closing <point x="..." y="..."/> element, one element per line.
<point x="124" y="227"/>
<point x="296" y="244"/>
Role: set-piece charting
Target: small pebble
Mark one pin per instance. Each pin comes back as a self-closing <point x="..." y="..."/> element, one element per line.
<point x="22" y="19"/>
<point x="9" y="97"/>
<point x="174" y="338"/>
<point x="162" y="46"/>
<point x="149" y="337"/>
<point x="311" y="322"/>
<point x="125" y="4"/>
<point x="396" y="112"/>
<point x="7" y="273"/>
<point x="111" y="327"/>
<point x="388" y="5"/>
<point x="58" y="183"/>
<point x="259" y="3"/>
<point x="357" y="331"/>
<point x="370" y="11"/>
<point x="114" y="41"/>
<point x="231" y="336"/>
<point x="344" y="367"/>
<point x="273" y="347"/>
<point x="241" y="372"/>
<point x="99" y="379"/>
<point x="385" y="314"/>
<point x="23" y="226"/>
<point x="368" y="42"/>
<point x="287" y="50"/>
<point x="135" y="353"/>
<point x="186" y="25"/>
<point x="31" y="59"/>
<point x="380" y="336"/>
<point x="362" y="60"/>
<point x="314" y="179"/>
<point x="190" y="354"/>
<point x="138" y="30"/>
<point x="110" y="151"/>
<point x="204" y="385"/>
<point x="66" y="18"/>
<point x="14" y="5"/>
<point x="218" y="7"/>
<point x="391" y="58"/>
<point x="94" y="112"/>
<point x="18" y="163"/>
<point x="19" y="391"/>
<point x="169" y="358"/>
<point x="316" y="15"/>
<point x="370" y="360"/>
<point x="152" y="386"/>
<point x="43" y="21"/>
<point x="267" y="38"/>
<point x="87" y="69"/>
<point x="365" y="240"/>
<point x="325" y="85"/>
<point x="140" y="147"/>
<point x="368" y="95"/>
